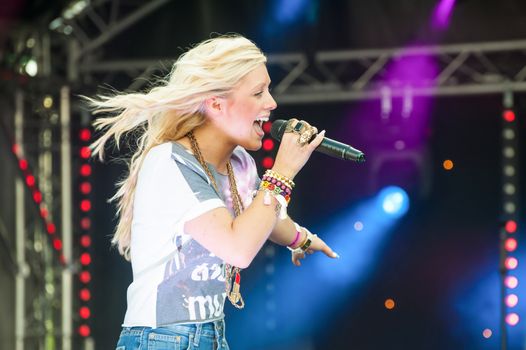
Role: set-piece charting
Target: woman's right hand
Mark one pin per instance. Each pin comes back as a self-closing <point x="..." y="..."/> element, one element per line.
<point x="292" y="156"/>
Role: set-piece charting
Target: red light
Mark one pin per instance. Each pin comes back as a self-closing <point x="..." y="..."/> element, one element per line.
<point x="508" y="115"/>
<point x="57" y="244"/>
<point x="268" y="144"/>
<point x="85" y="294"/>
<point x="511" y="282"/>
<point x="30" y="180"/>
<point x="511" y="263"/>
<point x="512" y="319"/>
<point x="85" y="241"/>
<point x="85" y="187"/>
<point x="85" y="276"/>
<point x="85" y="170"/>
<point x="85" y="259"/>
<point x="267" y="126"/>
<point x="43" y="212"/>
<point x="22" y="164"/>
<point x="51" y="228"/>
<point x="37" y="197"/>
<point x="85" y="205"/>
<point x="85" y="134"/>
<point x="512" y="300"/>
<point x="15" y="148"/>
<point x="510" y="244"/>
<point x="268" y="162"/>
<point x="85" y="152"/>
<point x="84" y="312"/>
<point x="510" y="226"/>
<point x="84" y="330"/>
<point x="85" y="223"/>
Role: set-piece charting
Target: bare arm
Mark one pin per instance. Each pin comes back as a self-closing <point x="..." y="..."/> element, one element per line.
<point x="284" y="232"/>
<point x="237" y="240"/>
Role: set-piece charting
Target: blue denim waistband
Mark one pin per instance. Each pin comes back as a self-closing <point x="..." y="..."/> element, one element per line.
<point x="209" y="329"/>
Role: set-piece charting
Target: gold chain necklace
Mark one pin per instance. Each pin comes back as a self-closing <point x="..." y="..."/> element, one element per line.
<point x="231" y="272"/>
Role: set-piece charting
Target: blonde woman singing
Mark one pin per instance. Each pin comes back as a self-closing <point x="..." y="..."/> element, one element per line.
<point x="193" y="211"/>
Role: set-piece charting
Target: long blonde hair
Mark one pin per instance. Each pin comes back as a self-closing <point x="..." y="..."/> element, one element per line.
<point x="169" y="111"/>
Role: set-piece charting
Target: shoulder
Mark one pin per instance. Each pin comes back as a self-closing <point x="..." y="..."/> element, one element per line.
<point x="156" y="157"/>
<point x="242" y="158"/>
<point x="172" y="154"/>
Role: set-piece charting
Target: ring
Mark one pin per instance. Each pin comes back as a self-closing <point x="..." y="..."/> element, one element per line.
<point x="307" y="135"/>
<point x="297" y="128"/>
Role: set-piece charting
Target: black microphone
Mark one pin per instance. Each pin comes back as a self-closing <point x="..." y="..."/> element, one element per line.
<point x="328" y="146"/>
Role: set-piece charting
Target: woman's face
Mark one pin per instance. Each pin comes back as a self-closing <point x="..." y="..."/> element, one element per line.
<point x="247" y="107"/>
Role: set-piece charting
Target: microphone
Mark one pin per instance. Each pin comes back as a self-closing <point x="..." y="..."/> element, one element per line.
<point x="328" y="146"/>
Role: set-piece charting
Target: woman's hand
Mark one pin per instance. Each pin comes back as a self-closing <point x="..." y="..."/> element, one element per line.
<point x="317" y="245"/>
<point x="292" y="153"/>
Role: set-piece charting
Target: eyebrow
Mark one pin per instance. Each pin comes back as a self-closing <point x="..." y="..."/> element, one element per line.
<point x="260" y="85"/>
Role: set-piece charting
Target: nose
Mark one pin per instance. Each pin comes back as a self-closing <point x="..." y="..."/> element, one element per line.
<point x="271" y="103"/>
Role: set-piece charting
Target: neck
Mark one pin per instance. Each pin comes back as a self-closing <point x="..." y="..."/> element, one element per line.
<point x="213" y="147"/>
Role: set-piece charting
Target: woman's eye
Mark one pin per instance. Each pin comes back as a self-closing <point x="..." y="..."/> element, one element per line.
<point x="258" y="93"/>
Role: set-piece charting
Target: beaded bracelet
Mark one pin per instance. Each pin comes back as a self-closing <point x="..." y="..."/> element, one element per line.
<point x="277" y="187"/>
<point x="288" y="182"/>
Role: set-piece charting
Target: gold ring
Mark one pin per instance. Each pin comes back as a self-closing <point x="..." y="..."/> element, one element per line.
<point x="290" y="127"/>
<point x="306" y="136"/>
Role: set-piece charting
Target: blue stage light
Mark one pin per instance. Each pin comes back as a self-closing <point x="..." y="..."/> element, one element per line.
<point x="394" y="201"/>
<point x="289" y="11"/>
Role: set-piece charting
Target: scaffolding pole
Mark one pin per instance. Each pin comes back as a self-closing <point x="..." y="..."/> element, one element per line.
<point x="67" y="227"/>
<point x="20" y="285"/>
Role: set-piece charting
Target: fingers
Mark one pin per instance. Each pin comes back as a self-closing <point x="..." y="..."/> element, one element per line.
<point x="317" y="140"/>
<point x="323" y="247"/>
<point x="329" y="252"/>
<point x="296" y="258"/>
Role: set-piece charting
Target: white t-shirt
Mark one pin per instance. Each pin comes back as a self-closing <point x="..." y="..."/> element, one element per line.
<point x="175" y="279"/>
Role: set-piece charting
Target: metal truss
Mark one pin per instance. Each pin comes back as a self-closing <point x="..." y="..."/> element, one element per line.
<point x="101" y="20"/>
<point x="351" y="75"/>
<point x="325" y="76"/>
<point x="462" y="69"/>
<point x="43" y="285"/>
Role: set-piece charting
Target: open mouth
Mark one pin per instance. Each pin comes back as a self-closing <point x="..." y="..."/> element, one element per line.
<point x="258" y="125"/>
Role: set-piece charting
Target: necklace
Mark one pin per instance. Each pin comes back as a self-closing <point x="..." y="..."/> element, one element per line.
<point x="232" y="273"/>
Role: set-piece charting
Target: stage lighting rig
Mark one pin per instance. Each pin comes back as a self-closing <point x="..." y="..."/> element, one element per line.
<point x="510" y="215"/>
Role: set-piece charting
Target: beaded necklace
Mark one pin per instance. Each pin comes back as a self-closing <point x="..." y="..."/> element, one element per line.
<point x="231" y="272"/>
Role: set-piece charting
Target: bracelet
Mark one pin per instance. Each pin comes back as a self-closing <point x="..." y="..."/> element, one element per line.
<point x="276" y="187"/>
<point x="306" y="243"/>
<point x="298" y="234"/>
<point x="288" y="182"/>
<point x="281" y="207"/>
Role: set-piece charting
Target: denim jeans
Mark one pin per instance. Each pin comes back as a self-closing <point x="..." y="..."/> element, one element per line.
<point x="197" y="336"/>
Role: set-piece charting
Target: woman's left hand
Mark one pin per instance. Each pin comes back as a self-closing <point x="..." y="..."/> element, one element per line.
<point x="317" y="245"/>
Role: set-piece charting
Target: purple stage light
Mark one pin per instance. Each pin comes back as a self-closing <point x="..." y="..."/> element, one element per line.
<point x="442" y="14"/>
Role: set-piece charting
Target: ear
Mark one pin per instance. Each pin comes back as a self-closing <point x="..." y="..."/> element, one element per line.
<point x="215" y="106"/>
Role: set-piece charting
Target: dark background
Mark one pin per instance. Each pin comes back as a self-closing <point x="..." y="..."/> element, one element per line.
<point x="439" y="263"/>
